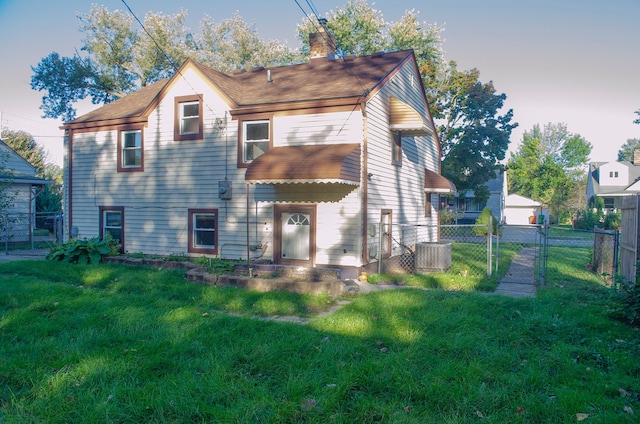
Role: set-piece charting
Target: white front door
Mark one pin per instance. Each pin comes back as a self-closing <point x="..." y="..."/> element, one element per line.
<point x="296" y="230"/>
<point x="295" y="234"/>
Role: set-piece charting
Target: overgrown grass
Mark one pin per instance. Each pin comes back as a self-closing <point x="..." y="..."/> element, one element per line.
<point x="102" y="343"/>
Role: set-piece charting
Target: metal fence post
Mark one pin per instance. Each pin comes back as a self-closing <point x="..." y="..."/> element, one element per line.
<point x="489" y="244"/>
<point x="380" y="245"/>
<point x="614" y="267"/>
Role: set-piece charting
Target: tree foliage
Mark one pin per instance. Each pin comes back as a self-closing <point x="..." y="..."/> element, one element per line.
<point x="474" y="136"/>
<point x="24" y="145"/>
<point x="234" y="44"/>
<point x="50" y="199"/>
<point x="118" y="56"/>
<point x="627" y="149"/>
<point x="549" y="167"/>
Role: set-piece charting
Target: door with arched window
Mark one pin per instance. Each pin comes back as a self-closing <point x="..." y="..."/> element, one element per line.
<point x="295" y="234"/>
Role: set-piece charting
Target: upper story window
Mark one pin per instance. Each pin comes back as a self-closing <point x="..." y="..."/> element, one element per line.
<point x="130" y="150"/>
<point x="256" y="139"/>
<point x="613" y="174"/>
<point x="188" y="118"/>
<point x="396" y="148"/>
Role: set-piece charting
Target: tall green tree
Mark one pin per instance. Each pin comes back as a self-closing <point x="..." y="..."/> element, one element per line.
<point x="474" y="136"/>
<point x="118" y="56"/>
<point x="549" y="166"/>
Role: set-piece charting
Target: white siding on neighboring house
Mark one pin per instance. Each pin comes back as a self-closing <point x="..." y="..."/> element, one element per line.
<point x="20" y="214"/>
<point x="613" y="174"/>
<point x="519" y="209"/>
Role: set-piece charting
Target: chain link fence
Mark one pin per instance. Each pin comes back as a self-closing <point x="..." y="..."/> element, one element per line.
<point x="509" y="253"/>
<point x="29" y="231"/>
<point x="602" y="246"/>
<point x="462" y="249"/>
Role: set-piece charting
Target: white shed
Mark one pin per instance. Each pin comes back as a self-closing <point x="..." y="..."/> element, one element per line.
<point x="519" y="210"/>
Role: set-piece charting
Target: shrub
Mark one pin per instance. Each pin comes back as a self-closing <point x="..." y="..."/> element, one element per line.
<point x="482" y="223"/>
<point x="612" y="221"/>
<point x="83" y="251"/>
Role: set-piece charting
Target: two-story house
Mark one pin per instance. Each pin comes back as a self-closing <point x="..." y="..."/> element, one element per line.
<point x="613" y="180"/>
<point x="295" y="164"/>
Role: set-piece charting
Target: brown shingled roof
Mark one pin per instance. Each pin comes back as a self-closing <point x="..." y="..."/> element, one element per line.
<point x="318" y="80"/>
<point x="133" y="105"/>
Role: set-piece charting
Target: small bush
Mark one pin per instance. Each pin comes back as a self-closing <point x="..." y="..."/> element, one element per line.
<point x="612" y="221"/>
<point x="84" y="251"/>
<point x="483" y="223"/>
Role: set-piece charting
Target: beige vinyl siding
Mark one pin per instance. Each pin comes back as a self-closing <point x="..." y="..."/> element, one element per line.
<point x="178" y="176"/>
<point x="338" y="221"/>
<point x="398" y="188"/>
<point x="318" y="128"/>
<point x="338" y="232"/>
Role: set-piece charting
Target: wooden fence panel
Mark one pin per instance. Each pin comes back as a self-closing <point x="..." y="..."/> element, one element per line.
<point x="629" y="235"/>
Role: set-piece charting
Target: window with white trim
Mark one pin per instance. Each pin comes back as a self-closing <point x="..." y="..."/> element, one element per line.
<point x="188" y="120"/>
<point x="112" y="224"/>
<point x="256" y="139"/>
<point x="130" y="151"/>
<point x="203" y="231"/>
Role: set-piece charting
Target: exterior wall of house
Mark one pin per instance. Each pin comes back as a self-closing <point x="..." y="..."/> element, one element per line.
<point x="613" y="174"/>
<point x="183" y="175"/>
<point x="399" y="189"/>
<point x="338" y="218"/>
<point x="19" y="216"/>
<point x="23" y="204"/>
<point x="179" y="175"/>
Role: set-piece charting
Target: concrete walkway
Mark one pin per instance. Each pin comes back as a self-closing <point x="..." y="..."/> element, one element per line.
<point x="20" y="255"/>
<point x="519" y="281"/>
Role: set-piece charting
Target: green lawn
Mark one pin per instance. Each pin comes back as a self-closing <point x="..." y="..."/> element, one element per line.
<point x="88" y="344"/>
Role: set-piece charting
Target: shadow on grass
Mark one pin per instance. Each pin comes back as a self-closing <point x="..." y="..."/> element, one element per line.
<point x="118" y="344"/>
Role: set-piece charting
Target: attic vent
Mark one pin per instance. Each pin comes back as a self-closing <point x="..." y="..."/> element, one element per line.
<point x="257" y="69"/>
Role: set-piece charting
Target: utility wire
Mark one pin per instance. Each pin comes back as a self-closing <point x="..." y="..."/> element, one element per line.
<point x="164" y="53"/>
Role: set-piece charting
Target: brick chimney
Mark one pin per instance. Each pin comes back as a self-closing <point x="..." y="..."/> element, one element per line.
<point x="322" y="43"/>
<point x="636" y="157"/>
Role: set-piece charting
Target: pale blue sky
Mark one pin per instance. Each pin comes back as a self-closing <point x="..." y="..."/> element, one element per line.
<point x="571" y="61"/>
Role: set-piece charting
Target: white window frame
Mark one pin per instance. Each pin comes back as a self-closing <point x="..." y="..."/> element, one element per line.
<point x="184" y="118"/>
<point x="136" y="147"/>
<point x="194" y="230"/>
<point x="246" y="142"/>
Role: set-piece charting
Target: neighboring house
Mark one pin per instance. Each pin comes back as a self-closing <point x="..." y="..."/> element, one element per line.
<point x="19" y="183"/>
<point x="611" y="181"/>
<point x="520" y="210"/>
<point x="296" y="164"/>
<point x="468" y="210"/>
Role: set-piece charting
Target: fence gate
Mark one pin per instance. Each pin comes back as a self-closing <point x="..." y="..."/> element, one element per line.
<point x="630" y="215"/>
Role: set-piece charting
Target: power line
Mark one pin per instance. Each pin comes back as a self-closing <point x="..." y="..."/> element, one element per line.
<point x="164" y="53"/>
